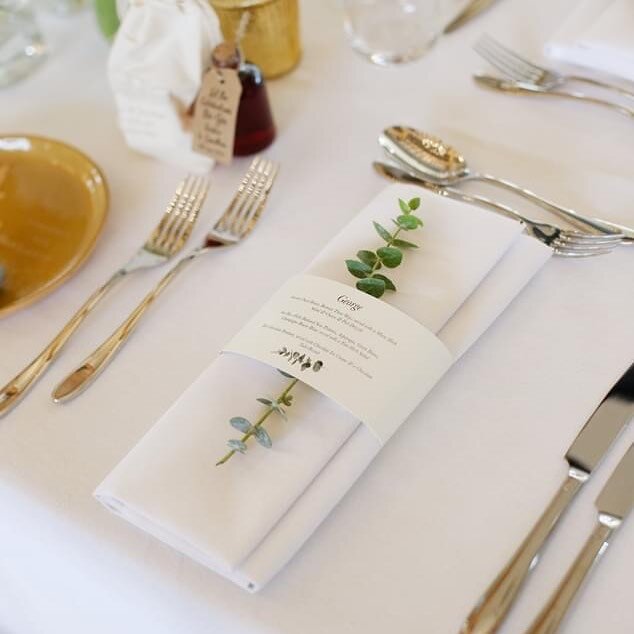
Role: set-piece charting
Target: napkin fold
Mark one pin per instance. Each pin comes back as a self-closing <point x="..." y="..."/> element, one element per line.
<point x="598" y="35"/>
<point x="247" y="518"/>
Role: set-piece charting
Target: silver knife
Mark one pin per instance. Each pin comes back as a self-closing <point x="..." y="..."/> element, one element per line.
<point x="475" y="7"/>
<point x="614" y="504"/>
<point x="583" y="457"/>
<point x="523" y="88"/>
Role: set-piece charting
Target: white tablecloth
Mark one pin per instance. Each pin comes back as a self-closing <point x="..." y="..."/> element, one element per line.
<point x="415" y="542"/>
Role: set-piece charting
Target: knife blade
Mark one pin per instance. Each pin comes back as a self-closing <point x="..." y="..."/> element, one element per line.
<point x="604" y="425"/>
<point x="475" y="7"/>
<point x="583" y="456"/>
<point x="614" y="504"/>
<point x="616" y="499"/>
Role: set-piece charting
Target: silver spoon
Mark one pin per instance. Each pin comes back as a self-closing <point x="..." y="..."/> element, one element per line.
<point x="435" y="161"/>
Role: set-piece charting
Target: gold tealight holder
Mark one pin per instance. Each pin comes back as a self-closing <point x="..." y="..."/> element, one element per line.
<point x="272" y="36"/>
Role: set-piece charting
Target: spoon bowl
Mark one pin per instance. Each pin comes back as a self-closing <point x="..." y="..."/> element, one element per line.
<point x="431" y="158"/>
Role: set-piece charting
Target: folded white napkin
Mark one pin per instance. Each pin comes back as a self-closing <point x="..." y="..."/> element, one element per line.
<point x="598" y="34"/>
<point x="247" y="518"/>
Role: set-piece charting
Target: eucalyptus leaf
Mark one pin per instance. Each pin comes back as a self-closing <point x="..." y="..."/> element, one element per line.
<point x="389" y="285"/>
<point x="237" y="445"/>
<point x="408" y="222"/>
<point x="279" y="409"/>
<point x="414" y="203"/>
<point x="382" y="231"/>
<point x="241" y="424"/>
<point x="372" y="286"/>
<point x="358" y="269"/>
<point x="404" y="206"/>
<point x="367" y="257"/>
<point x="286" y="374"/>
<point x="404" y="244"/>
<point x="262" y="436"/>
<point x="390" y="256"/>
<point x="264" y="401"/>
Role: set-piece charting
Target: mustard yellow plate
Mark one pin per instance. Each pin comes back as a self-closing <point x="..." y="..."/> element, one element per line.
<point x="53" y="202"/>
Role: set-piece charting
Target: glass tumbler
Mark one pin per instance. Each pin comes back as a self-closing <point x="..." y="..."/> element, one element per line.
<point x="393" y="31"/>
<point x="21" y="44"/>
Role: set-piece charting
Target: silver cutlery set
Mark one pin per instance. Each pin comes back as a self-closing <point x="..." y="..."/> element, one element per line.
<point x="520" y="76"/>
<point x="613" y="504"/>
<point x="422" y="159"/>
<point x="165" y="242"/>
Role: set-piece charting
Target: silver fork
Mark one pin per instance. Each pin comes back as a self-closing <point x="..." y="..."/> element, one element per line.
<point x="520" y="69"/>
<point x="566" y="243"/>
<point x="238" y="221"/>
<point x="165" y="241"/>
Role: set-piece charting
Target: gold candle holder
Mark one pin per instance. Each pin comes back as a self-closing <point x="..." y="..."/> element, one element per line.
<point x="272" y="36"/>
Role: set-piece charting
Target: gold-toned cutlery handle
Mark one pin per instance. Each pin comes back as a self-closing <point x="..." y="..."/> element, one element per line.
<point x="78" y="380"/>
<point x="17" y="387"/>
<point x="553" y="613"/>
<point x="496" y="602"/>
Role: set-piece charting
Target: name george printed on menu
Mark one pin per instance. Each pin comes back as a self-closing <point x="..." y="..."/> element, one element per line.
<point x="369" y="357"/>
<point x="215" y="114"/>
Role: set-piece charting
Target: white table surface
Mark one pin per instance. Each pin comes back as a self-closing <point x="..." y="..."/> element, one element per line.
<point x="422" y="533"/>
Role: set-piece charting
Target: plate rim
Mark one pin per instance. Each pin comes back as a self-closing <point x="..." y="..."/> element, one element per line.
<point x="55" y="283"/>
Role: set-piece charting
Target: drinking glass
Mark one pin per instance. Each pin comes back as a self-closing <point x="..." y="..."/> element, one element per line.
<point x="21" y="44"/>
<point x="393" y="31"/>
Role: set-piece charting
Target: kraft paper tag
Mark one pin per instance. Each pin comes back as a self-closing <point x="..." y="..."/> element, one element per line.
<point x="215" y="114"/>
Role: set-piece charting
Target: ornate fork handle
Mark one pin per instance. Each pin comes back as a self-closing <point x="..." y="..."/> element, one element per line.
<point x="553" y="613"/>
<point x="601" y="84"/>
<point x="17" y="387"/>
<point x="496" y="602"/>
<point x="572" y="216"/>
<point x="96" y="362"/>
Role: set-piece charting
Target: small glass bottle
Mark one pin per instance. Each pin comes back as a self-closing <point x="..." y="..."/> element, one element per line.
<point x="255" y="129"/>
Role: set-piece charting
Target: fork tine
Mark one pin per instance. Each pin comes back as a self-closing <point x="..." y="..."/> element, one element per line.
<point x="506" y="61"/>
<point x="587" y="240"/>
<point x="185" y="225"/>
<point x="187" y="208"/>
<point x="254" y="214"/>
<point x="180" y="210"/>
<point x="580" y="254"/>
<point x="501" y="66"/>
<point x="251" y="192"/>
<point x="159" y="232"/>
<point x="511" y="56"/>
<point x="251" y="201"/>
<point x="247" y="182"/>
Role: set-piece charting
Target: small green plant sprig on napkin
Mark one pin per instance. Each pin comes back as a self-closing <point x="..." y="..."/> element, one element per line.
<point x="390" y="256"/>
<point x="365" y="268"/>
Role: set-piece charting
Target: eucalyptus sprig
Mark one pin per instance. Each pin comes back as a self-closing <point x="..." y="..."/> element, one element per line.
<point x="365" y="268"/>
<point x="390" y="256"/>
<point x="272" y="406"/>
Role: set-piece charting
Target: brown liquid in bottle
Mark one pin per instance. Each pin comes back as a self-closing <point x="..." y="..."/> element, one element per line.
<point x="255" y="129"/>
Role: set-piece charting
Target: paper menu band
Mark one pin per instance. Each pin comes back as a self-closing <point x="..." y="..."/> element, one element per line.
<point x="370" y="358"/>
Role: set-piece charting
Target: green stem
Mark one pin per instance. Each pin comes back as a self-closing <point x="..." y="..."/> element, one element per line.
<point x="260" y="421"/>
<point x="377" y="264"/>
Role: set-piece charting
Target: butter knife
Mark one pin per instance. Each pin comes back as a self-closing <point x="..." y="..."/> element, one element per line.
<point x="583" y="456"/>
<point x="475" y="7"/>
<point x="614" y="504"/>
<point x="523" y="88"/>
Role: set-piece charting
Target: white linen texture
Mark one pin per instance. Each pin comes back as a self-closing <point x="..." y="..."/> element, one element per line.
<point x="598" y="34"/>
<point x="246" y="519"/>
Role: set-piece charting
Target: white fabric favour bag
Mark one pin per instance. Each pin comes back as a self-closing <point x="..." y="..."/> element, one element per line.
<point x="155" y="70"/>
